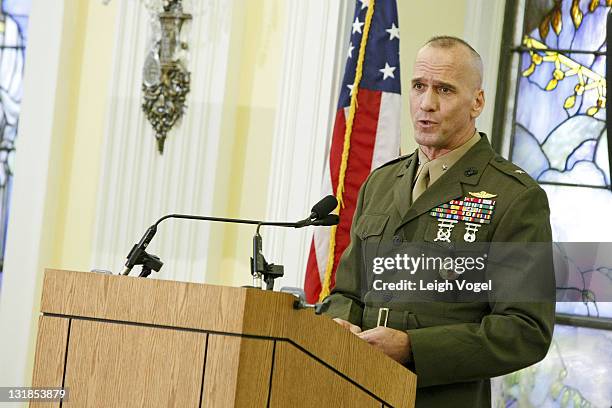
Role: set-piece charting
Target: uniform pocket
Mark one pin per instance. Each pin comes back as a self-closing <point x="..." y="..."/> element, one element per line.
<point x="371" y="225"/>
<point x="370" y="229"/>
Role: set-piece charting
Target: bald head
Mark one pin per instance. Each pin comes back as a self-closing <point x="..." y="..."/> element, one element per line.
<point x="457" y="45"/>
<point x="446" y="95"/>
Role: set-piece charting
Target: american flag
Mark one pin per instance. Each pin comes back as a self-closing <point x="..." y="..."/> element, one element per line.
<point x="374" y="137"/>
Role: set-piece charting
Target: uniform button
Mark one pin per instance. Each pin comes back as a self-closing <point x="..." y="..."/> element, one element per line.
<point x="471" y="171"/>
<point x="397" y="240"/>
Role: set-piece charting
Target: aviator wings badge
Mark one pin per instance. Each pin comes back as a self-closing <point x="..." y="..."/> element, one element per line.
<point x="482" y="194"/>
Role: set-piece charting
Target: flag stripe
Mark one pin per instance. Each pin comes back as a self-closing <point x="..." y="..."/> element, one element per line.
<point x="312" y="282"/>
<point x="337" y="146"/>
<point x="388" y="132"/>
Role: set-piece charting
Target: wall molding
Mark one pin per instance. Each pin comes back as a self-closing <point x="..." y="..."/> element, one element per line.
<point x="484" y="24"/>
<point x="313" y="64"/>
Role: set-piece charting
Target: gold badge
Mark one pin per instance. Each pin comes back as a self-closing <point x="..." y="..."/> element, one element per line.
<point x="482" y="194"/>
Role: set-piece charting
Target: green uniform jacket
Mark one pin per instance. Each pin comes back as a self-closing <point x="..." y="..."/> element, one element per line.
<point x="457" y="347"/>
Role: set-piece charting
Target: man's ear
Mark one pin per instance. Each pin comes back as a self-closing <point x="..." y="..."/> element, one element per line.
<point x="478" y="104"/>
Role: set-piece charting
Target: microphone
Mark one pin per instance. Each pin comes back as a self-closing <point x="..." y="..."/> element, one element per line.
<point x="321" y="211"/>
<point x="323" y="207"/>
<point x="138" y="250"/>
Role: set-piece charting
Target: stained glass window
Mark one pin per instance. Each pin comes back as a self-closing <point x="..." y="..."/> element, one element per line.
<point x="560" y="128"/>
<point x="13" y="39"/>
<point x="555" y="117"/>
<point x="551" y="121"/>
<point x="573" y="374"/>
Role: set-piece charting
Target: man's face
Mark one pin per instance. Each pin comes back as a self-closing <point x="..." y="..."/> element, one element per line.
<point x="445" y="96"/>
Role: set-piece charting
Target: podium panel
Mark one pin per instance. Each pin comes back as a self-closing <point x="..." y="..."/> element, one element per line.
<point x="123" y="365"/>
<point x="50" y="354"/>
<point x="250" y="358"/>
<point x="320" y="386"/>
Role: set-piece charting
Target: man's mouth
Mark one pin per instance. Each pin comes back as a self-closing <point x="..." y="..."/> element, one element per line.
<point x="427" y="123"/>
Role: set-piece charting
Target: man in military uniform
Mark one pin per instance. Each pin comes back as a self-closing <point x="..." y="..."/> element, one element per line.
<point x="454" y="348"/>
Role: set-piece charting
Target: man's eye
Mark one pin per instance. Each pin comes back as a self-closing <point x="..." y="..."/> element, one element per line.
<point x="417" y="86"/>
<point x="445" y="90"/>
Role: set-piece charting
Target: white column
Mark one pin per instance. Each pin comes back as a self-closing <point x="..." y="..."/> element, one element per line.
<point x="38" y="161"/>
<point x="484" y="23"/>
<point x="314" y="57"/>
<point x="138" y="185"/>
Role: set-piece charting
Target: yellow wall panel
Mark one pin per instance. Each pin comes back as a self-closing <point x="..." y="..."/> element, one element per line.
<point x="88" y="114"/>
<point x="419" y="21"/>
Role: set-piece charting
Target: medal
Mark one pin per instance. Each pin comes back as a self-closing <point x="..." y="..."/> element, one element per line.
<point x="470" y="231"/>
<point x="473" y="211"/>
<point x="445" y="227"/>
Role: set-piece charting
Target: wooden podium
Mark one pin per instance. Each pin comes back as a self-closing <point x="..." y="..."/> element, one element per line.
<point x="118" y="341"/>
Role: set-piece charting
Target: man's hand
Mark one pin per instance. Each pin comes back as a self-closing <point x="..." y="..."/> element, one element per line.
<point x="394" y="343"/>
<point x="348" y="325"/>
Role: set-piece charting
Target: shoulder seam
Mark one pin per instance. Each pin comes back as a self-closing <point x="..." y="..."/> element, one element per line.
<point x="396" y="160"/>
<point x="514" y="171"/>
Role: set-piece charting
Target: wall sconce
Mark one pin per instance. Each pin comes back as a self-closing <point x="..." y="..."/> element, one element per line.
<point x="166" y="80"/>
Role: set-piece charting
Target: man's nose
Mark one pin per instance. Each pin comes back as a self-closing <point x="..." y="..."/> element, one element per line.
<point x="429" y="101"/>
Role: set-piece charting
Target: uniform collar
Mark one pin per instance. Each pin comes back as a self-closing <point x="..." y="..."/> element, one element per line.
<point x="440" y="165"/>
<point x="467" y="170"/>
<point x="473" y="163"/>
<point x="411" y="163"/>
